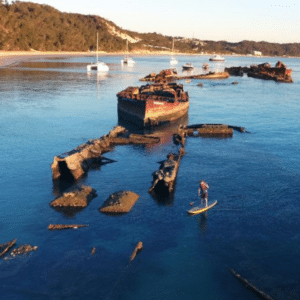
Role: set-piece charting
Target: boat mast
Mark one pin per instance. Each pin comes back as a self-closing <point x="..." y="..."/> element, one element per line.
<point x="173" y="46"/>
<point x="97" y="46"/>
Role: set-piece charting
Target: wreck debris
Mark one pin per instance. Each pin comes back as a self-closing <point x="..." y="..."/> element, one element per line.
<point x="153" y="104"/>
<point x="7" y="246"/>
<point x="23" y="249"/>
<point x="164" y="178"/>
<point x="171" y="75"/>
<point x="80" y="198"/>
<point x="279" y="73"/>
<point x="164" y="75"/>
<point x="138" y="249"/>
<point x="250" y="286"/>
<point x="209" y="75"/>
<point x="64" y="226"/>
<point x="74" y="164"/>
<point x="119" y="202"/>
<point x="204" y="130"/>
<point x="237" y="71"/>
<point x="210" y="130"/>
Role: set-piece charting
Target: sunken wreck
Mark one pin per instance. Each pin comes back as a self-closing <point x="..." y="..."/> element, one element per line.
<point x="279" y="73"/>
<point x="153" y="104"/>
<point x="163" y="180"/>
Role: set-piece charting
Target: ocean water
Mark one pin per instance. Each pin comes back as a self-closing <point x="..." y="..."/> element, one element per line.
<point x="50" y="106"/>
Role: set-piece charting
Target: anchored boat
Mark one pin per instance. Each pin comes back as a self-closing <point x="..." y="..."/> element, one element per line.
<point x="99" y="66"/>
<point x="217" y="58"/>
<point x="153" y="104"/>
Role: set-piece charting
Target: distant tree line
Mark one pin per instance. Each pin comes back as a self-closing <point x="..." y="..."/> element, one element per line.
<point x="27" y="26"/>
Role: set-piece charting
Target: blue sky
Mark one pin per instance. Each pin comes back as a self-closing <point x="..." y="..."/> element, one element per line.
<point x="231" y="20"/>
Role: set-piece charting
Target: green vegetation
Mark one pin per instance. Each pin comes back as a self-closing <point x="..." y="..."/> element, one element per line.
<point x="26" y="26"/>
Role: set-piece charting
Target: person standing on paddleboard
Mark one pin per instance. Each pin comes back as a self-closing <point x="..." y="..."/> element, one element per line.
<point x="202" y="190"/>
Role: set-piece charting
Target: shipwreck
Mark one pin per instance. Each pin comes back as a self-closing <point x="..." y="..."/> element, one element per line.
<point x="279" y="73"/>
<point x="153" y="104"/>
<point x="164" y="178"/>
<point x="74" y="164"/>
<point x="171" y="75"/>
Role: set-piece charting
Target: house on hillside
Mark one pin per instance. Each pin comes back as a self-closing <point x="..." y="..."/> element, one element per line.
<point x="257" y="53"/>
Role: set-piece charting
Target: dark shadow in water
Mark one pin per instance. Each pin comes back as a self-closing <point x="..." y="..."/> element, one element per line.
<point x="162" y="196"/>
<point x="202" y="219"/>
<point x="68" y="212"/>
<point x="62" y="185"/>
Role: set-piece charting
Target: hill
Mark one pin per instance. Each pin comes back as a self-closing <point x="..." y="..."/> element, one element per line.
<point x="27" y="26"/>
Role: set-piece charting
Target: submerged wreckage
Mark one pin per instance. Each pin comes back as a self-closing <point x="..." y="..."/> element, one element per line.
<point x="279" y="73"/>
<point x="153" y="104"/>
<point x="164" y="178"/>
<point x="171" y="75"/>
<point x="75" y="163"/>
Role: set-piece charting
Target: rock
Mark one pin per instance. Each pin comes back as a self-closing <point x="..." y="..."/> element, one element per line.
<point x="77" y="198"/>
<point x="119" y="202"/>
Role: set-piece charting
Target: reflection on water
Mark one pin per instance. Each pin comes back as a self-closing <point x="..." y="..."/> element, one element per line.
<point x="164" y="131"/>
<point x="202" y="219"/>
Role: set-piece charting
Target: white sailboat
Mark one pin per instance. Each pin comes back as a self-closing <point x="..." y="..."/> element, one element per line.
<point x="99" y="66"/>
<point x="173" y="60"/>
<point x="127" y="60"/>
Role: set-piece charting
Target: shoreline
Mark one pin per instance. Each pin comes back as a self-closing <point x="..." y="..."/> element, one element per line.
<point x="10" y="57"/>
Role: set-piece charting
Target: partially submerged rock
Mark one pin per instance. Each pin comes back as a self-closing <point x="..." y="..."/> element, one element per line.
<point x="23" y="249"/>
<point x="119" y="202"/>
<point x="78" y="198"/>
<point x="64" y="226"/>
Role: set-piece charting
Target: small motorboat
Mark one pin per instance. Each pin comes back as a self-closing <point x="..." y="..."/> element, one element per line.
<point x="188" y="66"/>
<point x="217" y="58"/>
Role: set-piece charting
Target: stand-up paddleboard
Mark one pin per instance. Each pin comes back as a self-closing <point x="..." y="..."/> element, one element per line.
<point x="200" y="209"/>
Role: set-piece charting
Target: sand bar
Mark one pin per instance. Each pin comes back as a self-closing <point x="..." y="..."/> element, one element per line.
<point x="10" y="57"/>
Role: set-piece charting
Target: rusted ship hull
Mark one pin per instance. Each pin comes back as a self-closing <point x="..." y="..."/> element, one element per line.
<point x="152" y="105"/>
<point x="150" y="113"/>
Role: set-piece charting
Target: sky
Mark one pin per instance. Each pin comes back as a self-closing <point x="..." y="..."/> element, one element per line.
<point x="229" y="20"/>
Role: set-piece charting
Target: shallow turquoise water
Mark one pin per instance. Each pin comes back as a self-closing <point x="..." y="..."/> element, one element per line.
<point x="47" y="109"/>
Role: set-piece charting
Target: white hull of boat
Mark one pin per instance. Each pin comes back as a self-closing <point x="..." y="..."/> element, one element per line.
<point x="99" y="67"/>
<point x="173" y="61"/>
